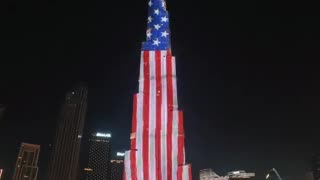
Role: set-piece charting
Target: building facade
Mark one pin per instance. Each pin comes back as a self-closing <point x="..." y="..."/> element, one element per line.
<point x="99" y="166"/>
<point x="117" y="169"/>
<point x="64" y="162"/>
<point x="157" y="148"/>
<point x="27" y="162"/>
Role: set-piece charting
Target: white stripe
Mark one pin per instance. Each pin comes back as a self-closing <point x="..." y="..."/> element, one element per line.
<point x="127" y="164"/>
<point x="152" y="116"/>
<point x="175" y="144"/>
<point x="164" y="115"/>
<point x="139" y="136"/>
<point x="174" y="83"/>
<point x="141" y="78"/>
<point x="185" y="170"/>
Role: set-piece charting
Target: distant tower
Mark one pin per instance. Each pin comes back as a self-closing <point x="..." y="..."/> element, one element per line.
<point x="99" y="167"/>
<point x="117" y="167"/>
<point x="64" y="163"/>
<point x="27" y="162"/>
<point x="316" y="167"/>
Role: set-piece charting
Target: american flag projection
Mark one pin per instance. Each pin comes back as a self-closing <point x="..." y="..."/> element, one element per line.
<point x="157" y="138"/>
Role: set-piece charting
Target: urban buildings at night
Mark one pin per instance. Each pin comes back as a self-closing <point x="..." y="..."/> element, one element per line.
<point x="99" y="166"/>
<point x="64" y="162"/>
<point x="117" y="169"/>
<point x="26" y="167"/>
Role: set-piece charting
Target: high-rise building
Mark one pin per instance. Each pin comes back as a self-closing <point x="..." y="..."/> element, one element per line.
<point x="99" y="167"/>
<point x="64" y="162"/>
<point x="157" y="139"/>
<point x="27" y="162"/>
<point x="117" y="169"/>
<point x="117" y="166"/>
<point x="316" y="166"/>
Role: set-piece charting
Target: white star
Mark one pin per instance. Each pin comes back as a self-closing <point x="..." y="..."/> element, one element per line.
<point x="164" y="19"/>
<point x="149" y="34"/>
<point x="156" y="42"/>
<point x="157" y="26"/>
<point x="149" y="19"/>
<point x="157" y="11"/>
<point x="150" y="3"/>
<point x="163" y="4"/>
<point x="164" y="34"/>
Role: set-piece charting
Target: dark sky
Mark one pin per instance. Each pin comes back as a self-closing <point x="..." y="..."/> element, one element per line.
<point x="248" y="76"/>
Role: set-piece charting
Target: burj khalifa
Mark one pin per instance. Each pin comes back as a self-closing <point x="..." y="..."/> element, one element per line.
<point x="157" y="139"/>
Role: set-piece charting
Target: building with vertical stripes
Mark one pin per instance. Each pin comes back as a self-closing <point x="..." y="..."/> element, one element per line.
<point x="157" y="140"/>
<point x="64" y="162"/>
<point x="27" y="162"/>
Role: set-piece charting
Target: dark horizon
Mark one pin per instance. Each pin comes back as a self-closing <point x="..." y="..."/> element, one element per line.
<point x="247" y="77"/>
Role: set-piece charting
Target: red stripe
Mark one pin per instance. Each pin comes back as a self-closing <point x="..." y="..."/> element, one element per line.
<point x="134" y="122"/>
<point x="180" y="139"/>
<point x="124" y="173"/>
<point x="146" y="109"/>
<point x="158" y="115"/>
<point x="133" y="165"/>
<point x="180" y="171"/>
<point x="190" y="172"/>
<point x="133" y="157"/>
<point x="170" y="116"/>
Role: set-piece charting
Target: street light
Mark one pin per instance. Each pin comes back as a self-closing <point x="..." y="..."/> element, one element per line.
<point x="276" y="172"/>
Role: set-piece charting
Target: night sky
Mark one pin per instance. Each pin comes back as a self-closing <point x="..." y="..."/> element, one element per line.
<point x="248" y="76"/>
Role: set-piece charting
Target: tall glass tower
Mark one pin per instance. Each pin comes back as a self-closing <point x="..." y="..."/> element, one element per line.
<point x="64" y="163"/>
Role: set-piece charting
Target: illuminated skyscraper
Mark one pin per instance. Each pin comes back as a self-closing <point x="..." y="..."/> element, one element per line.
<point x="117" y="166"/>
<point x="157" y="137"/>
<point x="27" y="162"/>
<point x="99" y="157"/>
<point x="64" y="163"/>
<point x="117" y="169"/>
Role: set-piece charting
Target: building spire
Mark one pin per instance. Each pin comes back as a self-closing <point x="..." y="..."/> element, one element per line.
<point x="158" y="31"/>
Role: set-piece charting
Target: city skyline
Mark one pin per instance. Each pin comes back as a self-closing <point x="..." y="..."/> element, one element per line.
<point x="247" y="81"/>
